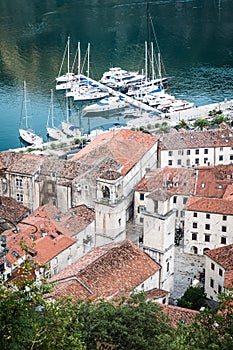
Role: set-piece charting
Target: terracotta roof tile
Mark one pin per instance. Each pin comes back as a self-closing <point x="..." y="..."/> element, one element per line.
<point x="170" y="180"/>
<point x="124" y="146"/>
<point x="12" y="210"/>
<point x="221" y="137"/>
<point x="179" y="315"/>
<point x="111" y="270"/>
<point x="214" y="181"/>
<point x="223" y="256"/>
<point x="210" y="205"/>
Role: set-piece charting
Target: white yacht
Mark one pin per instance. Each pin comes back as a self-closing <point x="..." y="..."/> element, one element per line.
<point x="106" y="104"/>
<point x="117" y="78"/>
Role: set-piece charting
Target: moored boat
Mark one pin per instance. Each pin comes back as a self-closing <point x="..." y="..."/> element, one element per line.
<point x="106" y="104"/>
<point x="25" y="133"/>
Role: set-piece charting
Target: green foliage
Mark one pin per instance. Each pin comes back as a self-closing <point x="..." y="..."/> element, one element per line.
<point x="193" y="298"/>
<point x="182" y="125"/>
<point x="201" y="123"/>
<point x="131" y="324"/>
<point x="27" y="321"/>
<point x="218" y="119"/>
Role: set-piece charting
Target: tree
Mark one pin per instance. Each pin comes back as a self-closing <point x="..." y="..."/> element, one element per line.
<point x="201" y="123"/>
<point x="193" y="298"/>
<point x="182" y="125"/>
<point x="132" y="324"/>
<point x="28" y="321"/>
<point x="212" y="329"/>
<point x="218" y="119"/>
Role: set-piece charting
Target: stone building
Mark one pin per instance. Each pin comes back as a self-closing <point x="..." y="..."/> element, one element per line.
<point x="192" y="148"/>
<point x="219" y="271"/>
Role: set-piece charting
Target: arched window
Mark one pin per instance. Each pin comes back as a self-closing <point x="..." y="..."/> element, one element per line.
<point x="106" y="192"/>
<point x="194" y="250"/>
<point x="205" y="249"/>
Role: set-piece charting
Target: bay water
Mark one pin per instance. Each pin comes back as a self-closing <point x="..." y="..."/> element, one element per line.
<point x="195" y="39"/>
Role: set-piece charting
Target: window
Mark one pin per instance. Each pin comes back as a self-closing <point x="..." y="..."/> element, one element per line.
<point x="141" y="220"/>
<point x="188" y="152"/>
<point x="185" y="200"/>
<point x="182" y="213"/>
<point x="224" y="218"/>
<point x="195" y="215"/>
<point x="170" y="153"/>
<point x="207" y="216"/>
<point x="156" y="205"/>
<point x="220" y="272"/>
<point x="220" y="158"/>
<point x="141" y="196"/>
<point x="207" y="226"/>
<point x="224" y="229"/>
<point x="205" y="151"/>
<point x="167" y="266"/>
<point x="174" y="199"/>
<point x="221" y="149"/>
<point x="197" y="161"/>
<point x="205" y="160"/>
<point x="194" y="224"/>
<point x="188" y="162"/>
<point x="219" y="289"/>
<point x="179" y="162"/>
<point x="106" y="192"/>
<point x="197" y="151"/>
<point x="194" y="250"/>
<point x="141" y="208"/>
<point x="211" y="283"/>
<point x="170" y="162"/>
<point x="19" y="197"/>
<point x="180" y="152"/>
<point x="194" y="236"/>
<point x="19" y="183"/>
<point x="231" y="157"/>
<point x="212" y="266"/>
<point x="207" y="238"/>
<point x="223" y="240"/>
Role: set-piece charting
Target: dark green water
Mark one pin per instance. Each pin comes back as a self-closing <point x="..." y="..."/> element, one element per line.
<point x="195" y="39"/>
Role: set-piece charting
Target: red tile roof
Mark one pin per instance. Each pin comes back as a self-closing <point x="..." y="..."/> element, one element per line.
<point x="224" y="257"/>
<point x="214" y="181"/>
<point x="179" y="315"/>
<point x="42" y="236"/>
<point x="210" y="205"/>
<point x="172" y="180"/>
<point x="221" y="137"/>
<point x="124" y="146"/>
<point x="12" y="210"/>
<point x="72" y="222"/>
<point x="109" y="271"/>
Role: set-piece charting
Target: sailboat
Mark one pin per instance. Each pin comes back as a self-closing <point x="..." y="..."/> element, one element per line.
<point x="53" y="132"/>
<point x="26" y="134"/>
<point x="68" y="128"/>
<point x="64" y="82"/>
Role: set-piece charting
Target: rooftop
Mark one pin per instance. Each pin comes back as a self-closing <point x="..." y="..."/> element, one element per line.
<point x="124" y="146"/>
<point x="107" y="271"/>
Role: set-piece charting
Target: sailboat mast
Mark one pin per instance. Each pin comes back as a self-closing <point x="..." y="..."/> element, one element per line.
<point x="146" y="63"/>
<point x="152" y="61"/>
<point x="25" y="103"/>
<point x="52" y="110"/>
<point x="68" y="55"/>
<point x="148" y="34"/>
<point x="88" y="60"/>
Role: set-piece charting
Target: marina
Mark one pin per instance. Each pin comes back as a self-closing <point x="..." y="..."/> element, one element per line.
<point x="197" y="72"/>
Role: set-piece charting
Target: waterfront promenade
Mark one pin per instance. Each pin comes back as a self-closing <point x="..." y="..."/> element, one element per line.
<point x="189" y="115"/>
